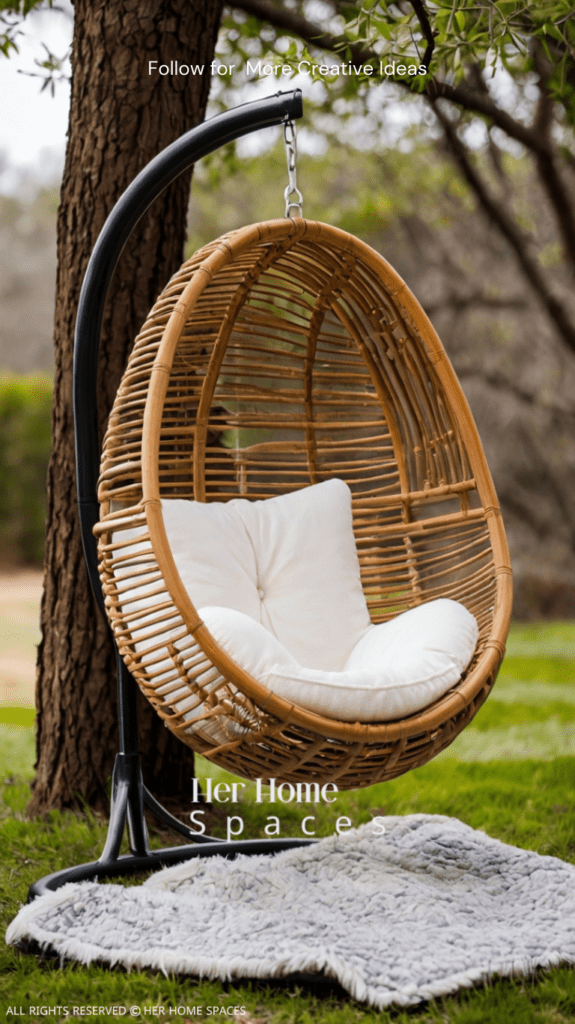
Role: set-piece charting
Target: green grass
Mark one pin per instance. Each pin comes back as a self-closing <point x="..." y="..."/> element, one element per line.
<point x="511" y="773"/>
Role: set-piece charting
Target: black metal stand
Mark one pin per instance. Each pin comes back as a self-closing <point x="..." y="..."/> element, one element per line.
<point x="129" y="795"/>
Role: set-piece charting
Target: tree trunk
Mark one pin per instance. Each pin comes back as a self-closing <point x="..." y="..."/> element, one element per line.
<point x="120" y="117"/>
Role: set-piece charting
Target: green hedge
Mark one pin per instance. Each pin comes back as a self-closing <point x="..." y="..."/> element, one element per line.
<point x="25" y="403"/>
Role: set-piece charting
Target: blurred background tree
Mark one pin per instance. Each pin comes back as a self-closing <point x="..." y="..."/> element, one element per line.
<point x="464" y="178"/>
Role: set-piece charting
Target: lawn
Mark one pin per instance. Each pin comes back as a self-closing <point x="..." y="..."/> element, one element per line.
<point x="511" y="773"/>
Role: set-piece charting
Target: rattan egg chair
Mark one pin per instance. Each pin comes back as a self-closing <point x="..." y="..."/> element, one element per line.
<point x="280" y="355"/>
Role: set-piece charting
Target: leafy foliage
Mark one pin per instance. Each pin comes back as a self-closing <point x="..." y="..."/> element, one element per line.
<point x="25" y="404"/>
<point x="12" y="13"/>
<point x="450" y="36"/>
<point x="481" y="31"/>
<point x="51" y="68"/>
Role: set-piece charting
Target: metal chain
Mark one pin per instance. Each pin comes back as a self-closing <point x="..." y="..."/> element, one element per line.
<point x="293" y="206"/>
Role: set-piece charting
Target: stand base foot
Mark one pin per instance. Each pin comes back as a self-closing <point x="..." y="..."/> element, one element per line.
<point x="130" y="864"/>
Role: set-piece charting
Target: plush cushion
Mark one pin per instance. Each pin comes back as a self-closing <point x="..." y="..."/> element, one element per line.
<point x="393" y="670"/>
<point x="289" y="563"/>
<point x="277" y="583"/>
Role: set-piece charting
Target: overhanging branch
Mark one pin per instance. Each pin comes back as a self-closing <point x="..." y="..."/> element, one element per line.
<point x="475" y="102"/>
<point x="426" y="29"/>
<point x="509" y="229"/>
<point x="290" y="21"/>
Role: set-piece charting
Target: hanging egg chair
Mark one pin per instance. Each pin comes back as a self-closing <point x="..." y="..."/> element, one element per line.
<point x="289" y="450"/>
<point x="280" y="356"/>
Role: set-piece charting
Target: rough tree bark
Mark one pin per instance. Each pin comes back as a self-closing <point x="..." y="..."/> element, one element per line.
<point x="120" y="118"/>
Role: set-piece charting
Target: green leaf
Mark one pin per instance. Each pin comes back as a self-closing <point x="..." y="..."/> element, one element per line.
<point x="383" y="27"/>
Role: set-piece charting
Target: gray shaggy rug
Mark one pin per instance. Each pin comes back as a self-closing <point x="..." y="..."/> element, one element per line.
<point x="430" y="907"/>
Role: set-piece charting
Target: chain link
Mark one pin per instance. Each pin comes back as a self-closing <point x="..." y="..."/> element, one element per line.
<point x="293" y="205"/>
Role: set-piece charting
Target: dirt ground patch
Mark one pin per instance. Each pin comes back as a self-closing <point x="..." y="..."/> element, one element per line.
<point x="20" y="593"/>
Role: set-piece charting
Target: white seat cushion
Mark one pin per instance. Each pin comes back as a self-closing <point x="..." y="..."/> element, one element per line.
<point x="290" y="563"/>
<point x="277" y="583"/>
<point x="393" y="670"/>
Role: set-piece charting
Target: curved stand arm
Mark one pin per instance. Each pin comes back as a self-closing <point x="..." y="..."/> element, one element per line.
<point x="129" y="209"/>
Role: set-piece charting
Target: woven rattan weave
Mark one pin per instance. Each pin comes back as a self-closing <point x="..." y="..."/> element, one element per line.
<point x="281" y="355"/>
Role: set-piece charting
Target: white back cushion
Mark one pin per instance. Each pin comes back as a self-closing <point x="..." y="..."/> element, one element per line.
<point x="290" y="563"/>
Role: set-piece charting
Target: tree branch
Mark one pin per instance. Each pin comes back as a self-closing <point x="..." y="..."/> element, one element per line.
<point x="549" y="173"/>
<point x="560" y="201"/>
<point x="481" y="103"/>
<point x="477" y="81"/>
<point x="459" y="303"/>
<point x="426" y="29"/>
<point x="509" y="229"/>
<point x="294" y="23"/>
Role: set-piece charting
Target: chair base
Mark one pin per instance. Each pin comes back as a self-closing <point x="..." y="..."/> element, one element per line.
<point x="130" y="864"/>
<point x="127" y="807"/>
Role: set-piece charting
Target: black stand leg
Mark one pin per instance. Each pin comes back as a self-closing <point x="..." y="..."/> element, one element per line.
<point x="127" y="784"/>
<point x="126" y="804"/>
<point x="127" y="807"/>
